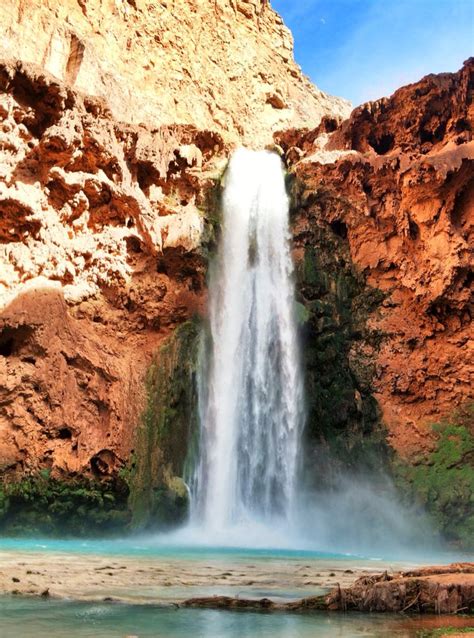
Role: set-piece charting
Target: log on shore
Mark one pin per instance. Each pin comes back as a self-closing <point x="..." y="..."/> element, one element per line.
<point x="442" y="590"/>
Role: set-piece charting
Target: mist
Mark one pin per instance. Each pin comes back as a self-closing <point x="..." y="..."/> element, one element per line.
<point x="364" y="515"/>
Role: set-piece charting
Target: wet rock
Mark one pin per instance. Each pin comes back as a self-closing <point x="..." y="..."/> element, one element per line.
<point x="382" y="220"/>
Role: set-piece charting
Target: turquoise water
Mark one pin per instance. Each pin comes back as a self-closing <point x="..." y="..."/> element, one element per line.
<point x="152" y="547"/>
<point x="156" y="546"/>
<point x="52" y="618"/>
<point x="33" y="618"/>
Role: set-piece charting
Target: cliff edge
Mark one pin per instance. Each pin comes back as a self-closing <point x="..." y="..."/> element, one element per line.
<point x="225" y="65"/>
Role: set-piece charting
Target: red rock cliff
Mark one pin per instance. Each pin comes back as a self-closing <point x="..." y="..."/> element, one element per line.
<point x="396" y="181"/>
<point x="115" y="120"/>
<point x="102" y="253"/>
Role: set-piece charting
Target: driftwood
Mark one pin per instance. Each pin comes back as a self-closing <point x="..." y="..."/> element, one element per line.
<point x="228" y="602"/>
<point x="261" y="604"/>
<point x="443" y="590"/>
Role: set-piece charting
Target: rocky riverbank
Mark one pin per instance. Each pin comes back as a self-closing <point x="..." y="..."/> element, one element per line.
<point x="172" y="578"/>
<point x="239" y="583"/>
<point x="442" y="590"/>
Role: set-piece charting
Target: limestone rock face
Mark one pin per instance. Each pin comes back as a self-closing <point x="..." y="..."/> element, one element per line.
<point x="116" y="121"/>
<point x="102" y="253"/>
<point x="395" y="185"/>
<point x="225" y="65"/>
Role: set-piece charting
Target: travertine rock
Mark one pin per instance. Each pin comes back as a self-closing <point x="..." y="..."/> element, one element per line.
<point x="113" y="116"/>
<point x="396" y="181"/>
<point x="116" y="119"/>
<point x="445" y="589"/>
<point x="224" y="65"/>
<point x="102" y="241"/>
<point x="441" y="590"/>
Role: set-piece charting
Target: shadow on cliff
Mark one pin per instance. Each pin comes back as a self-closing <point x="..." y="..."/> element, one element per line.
<point x="349" y="499"/>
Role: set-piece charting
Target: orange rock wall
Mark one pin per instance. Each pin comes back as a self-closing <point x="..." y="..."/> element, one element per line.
<point x="396" y="181"/>
<point x="102" y="253"/>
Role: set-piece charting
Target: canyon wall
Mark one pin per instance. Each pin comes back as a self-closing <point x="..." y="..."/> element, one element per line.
<point x="116" y="122"/>
<point x="104" y="233"/>
<point x="383" y="213"/>
<point x="225" y="65"/>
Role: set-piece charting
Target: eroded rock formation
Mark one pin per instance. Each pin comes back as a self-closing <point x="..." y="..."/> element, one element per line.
<point x="224" y="65"/>
<point x="383" y="226"/>
<point x="103" y="253"/>
<point x="116" y="121"/>
<point x="441" y="590"/>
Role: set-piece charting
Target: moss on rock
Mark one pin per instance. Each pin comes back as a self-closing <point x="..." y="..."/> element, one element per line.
<point x="167" y="427"/>
<point x="41" y="504"/>
<point x="148" y="490"/>
<point x="343" y="426"/>
<point x="443" y="480"/>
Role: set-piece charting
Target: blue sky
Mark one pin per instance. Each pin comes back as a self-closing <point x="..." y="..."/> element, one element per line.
<point x="365" y="49"/>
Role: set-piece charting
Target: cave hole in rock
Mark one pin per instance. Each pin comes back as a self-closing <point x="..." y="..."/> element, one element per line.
<point x="42" y="102"/>
<point x="412" y="343"/>
<point x="382" y="144"/>
<point x="146" y="175"/>
<point x="103" y="462"/>
<point x="462" y="125"/>
<point x="134" y="245"/>
<point x="74" y="61"/>
<point x="462" y="202"/>
<point x="330" y="124"/>
<point x="17" y="222"/>
<point x="6" y="347"/>
<point x="440" y="310"/>
<point x="161" y="266"/>
<point x="64" y="433"/>
<point x="429" y="136"/>
<point x="413" y="229"/>
<point x="468" y="279"/>
<point x="12" y="340"/>
<point x="339" y="228"/>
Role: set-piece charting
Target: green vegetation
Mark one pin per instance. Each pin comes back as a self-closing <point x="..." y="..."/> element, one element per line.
<point x="209" y="204"/>
<point x="443" y="480"/>
<point x="41" y="504"/>
<point x="334" y="302"/>
<point x="443" y="631"/>
<point x="311" y="274"/>
<point x="147" y="491"/>
<point x="158" y="497"/>
<point x="303" y="315"/>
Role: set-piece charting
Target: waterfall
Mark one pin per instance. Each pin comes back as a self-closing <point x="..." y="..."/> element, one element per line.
<point x="251" y="392"/>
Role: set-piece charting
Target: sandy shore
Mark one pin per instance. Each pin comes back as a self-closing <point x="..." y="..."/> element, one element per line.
<point x="162" y="580"/>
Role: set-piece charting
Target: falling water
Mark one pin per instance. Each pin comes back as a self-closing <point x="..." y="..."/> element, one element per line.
<point x="251" y="389"/>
